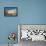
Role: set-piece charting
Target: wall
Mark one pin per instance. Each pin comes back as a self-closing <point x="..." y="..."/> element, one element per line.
<point x="33" y="12"/>
<point x="29" y="12"/>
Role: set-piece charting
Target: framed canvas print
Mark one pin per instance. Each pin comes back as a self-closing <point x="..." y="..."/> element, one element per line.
<point x="10" y="11"/>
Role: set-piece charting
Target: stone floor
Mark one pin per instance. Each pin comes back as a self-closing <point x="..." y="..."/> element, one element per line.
<point x="30" y="43"/>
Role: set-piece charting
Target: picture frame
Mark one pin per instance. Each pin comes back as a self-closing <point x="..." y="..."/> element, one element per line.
<point x="11" y="11"/>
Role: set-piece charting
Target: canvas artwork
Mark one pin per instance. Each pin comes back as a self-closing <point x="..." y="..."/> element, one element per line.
<point x="10" y="11"/>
